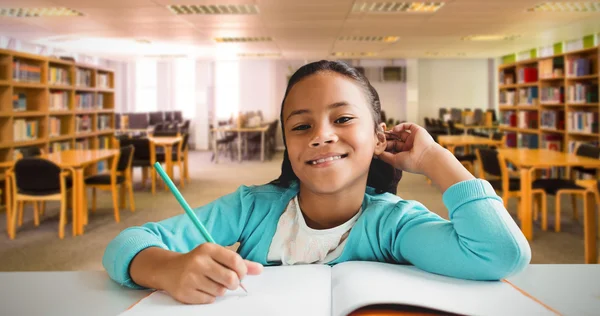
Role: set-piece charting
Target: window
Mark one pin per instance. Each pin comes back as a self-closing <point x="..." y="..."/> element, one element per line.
<point x="185" y="81"/>
<point x="146" y="87"/>
<point x="227" y="89"/>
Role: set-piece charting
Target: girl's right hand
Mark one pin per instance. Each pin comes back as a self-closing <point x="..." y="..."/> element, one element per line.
<point x="199" y="276"/>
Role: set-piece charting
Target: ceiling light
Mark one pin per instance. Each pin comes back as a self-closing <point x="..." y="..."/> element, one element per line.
<point x="383" y="39"/>
<point x="445" y="54"/>
<point x="588" y="6"/>
<point x="242" y="39"/>
<point x="352" y="54"/>
<point x="259" y="55"/>
<point x="221" y="9"/>
<point x="395" y="7"/>
<point x="38" y="12"/>
<point x="142" y="41"/>
<point x="489" y="37"/>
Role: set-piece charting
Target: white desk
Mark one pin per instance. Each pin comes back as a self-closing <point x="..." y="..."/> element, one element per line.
<point x="569" y="289"/>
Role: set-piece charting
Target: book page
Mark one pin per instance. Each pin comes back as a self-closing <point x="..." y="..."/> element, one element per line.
<point x="359" y="284"/>
<point x="282" y="290"/>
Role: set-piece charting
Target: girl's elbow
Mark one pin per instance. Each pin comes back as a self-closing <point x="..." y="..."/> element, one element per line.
<point x="510" y="258"/>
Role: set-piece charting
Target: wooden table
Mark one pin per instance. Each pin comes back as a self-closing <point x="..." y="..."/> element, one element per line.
<point x="466" y="128"/>
<point x="527" y="160"/>
<point x="239" y="130"/>
<point x="167" y="143"/>
<point x="453" y="141"/>
<point x="78" y="160"/>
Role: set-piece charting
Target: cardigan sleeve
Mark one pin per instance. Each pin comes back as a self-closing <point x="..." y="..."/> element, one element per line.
<point x="481" y="241"/>
<point x="223" y="218"/>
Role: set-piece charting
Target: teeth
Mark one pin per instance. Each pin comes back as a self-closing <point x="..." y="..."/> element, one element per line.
<point x="318" y="161"/>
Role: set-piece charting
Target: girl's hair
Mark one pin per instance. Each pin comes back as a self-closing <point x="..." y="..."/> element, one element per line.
<point x="382" y="177"/>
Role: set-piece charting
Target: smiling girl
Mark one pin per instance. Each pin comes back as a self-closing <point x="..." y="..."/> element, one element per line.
<point x="330" y="204"/>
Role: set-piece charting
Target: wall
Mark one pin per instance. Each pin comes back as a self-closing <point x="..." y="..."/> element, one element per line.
<point x="452" y="83"/>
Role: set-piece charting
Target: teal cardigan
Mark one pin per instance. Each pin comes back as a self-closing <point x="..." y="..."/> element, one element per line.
<point x="479" y="242"/>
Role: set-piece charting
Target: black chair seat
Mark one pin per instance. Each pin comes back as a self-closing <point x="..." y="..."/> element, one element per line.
<point x="140" y="163"/>
<point x="469" y="157"/>
<point x="68" y="183"/>
<point x="102" y="179"/>
<point x="552" y="186"/>
<point x="589" y="171"/>
<point x="161" y="157"/>
<point x="513" y="184"/>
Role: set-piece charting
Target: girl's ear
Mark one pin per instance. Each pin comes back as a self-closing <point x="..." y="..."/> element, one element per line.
<point x="381" y="143"/>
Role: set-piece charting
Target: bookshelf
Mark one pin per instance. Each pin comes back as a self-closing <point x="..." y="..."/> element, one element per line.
<point x="551" y="102"/>
<point x="53" y="104"/>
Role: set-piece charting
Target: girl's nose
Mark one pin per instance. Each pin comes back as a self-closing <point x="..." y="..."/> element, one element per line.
<point x="323" y="138"/>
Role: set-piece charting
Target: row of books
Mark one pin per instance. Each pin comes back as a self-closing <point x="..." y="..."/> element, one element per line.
<point x="507" y="97"/>
<point x="59" y="100"/>
<point x="552" y="142"/>
<point x="527" y="74"/>
<point x="83" y="77"/>
<point x="83" y="124"/>
<point x="54" y="126"/>
<point x="86" y="101"/>
<point x="582" y="122"/>
<point x="59" y="146"/>
<point x="522" y="140"/>
<point x="26" y="72"/>
<point x="508" y="118"/>
<point x="102" y="81"/>
<point x="19" y="102"/>
<point x="103" y="122"/>
<point x="82" y="144"/>
<point x="506" y="78"/>
<point x="552" y="95"/>
<point x="582" y="93"/>
<point x="58" y="76"/>
<point x="551" y="67"/>
<point x="24" y="130"/>
<point x="528" y="119"/>
<point x="578" y="67"/>
<point x="528" y="96"/>
<point x="552" y="120"/>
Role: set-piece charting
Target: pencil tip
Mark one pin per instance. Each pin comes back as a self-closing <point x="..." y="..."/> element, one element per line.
<point x="242" y="286"/>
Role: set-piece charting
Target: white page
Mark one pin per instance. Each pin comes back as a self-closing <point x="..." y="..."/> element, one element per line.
<point x="282" y="290"/>
<point x="359" y="284"/>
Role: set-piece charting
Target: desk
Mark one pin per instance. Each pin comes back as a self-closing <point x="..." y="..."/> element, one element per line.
<point x="167" y="143"/>
<point x="527" y="160"/>
<point x="452" y="141"/>
<point x="466" y="128"/>
<point x="569" y="289"/>
<point x="261" y="129"/>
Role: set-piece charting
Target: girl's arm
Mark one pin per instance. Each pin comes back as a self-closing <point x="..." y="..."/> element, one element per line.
<point x="224" y="219"/>
<point x="481" y="241"/>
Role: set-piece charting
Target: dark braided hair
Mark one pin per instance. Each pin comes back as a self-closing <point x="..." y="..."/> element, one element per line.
<point x="382" y="176"/>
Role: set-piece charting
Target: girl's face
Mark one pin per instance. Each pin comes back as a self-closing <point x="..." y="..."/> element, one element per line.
<point x="329" y="133"/>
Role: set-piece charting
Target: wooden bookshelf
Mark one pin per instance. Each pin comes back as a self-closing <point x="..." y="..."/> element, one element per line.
<point x="51" y="94"/>
<point x="566" y="92"/>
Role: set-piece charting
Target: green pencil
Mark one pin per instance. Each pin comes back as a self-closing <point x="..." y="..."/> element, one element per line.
<point x="186" y="207"/>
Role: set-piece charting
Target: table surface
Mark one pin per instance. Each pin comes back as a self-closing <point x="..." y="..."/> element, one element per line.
<point x="456" y="140"/>
<point x="165" y="141"/>
<point x="524" y="157"/>
<point x="569" y="289"/>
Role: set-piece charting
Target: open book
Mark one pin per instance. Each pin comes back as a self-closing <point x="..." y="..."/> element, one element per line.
<point x="321" y="290"/>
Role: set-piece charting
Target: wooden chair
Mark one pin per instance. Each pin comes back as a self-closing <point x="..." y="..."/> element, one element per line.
<point x="120" y="174"/>
<point x="35" y="180"/>
<point x="493" y="164"/>
<point x="179" y="157"/>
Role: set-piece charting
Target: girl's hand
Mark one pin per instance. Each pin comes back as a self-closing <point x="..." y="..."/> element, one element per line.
<point x="408" y="146"/>
<point x="204" y="273"/>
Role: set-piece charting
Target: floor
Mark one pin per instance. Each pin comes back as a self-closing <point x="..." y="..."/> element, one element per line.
<point x="40" y="249"/>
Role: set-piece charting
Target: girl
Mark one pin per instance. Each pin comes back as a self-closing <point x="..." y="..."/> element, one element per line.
<point x="321" y="210"/>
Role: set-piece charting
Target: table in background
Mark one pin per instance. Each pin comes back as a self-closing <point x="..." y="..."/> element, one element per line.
<point x="466" y="128"/>
<point x="453" y="141"/>
<point x="527" y="160"/>
<point x="167" y="143"/>
<point x="569" y="289"/>
<point x="239" y="130"/>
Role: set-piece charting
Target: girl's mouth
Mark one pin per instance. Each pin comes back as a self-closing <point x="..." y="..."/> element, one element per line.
<point x="325" y="160"/>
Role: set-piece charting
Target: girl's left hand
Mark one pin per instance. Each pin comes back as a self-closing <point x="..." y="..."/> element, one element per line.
<point x="408" y="146"/>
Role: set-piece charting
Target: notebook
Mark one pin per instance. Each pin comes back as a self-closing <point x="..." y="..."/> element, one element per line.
<point x="321" y="290"/>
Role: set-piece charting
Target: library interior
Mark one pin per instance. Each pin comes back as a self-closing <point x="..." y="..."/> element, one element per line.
<point x="96" y="97"/>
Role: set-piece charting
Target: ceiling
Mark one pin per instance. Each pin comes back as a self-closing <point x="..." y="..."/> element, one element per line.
<point x="300" y="29"/>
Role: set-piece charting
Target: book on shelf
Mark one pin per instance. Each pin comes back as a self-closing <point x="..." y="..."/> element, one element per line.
<point x="577" y="67"/>
<point x="506" y="78"/>
<point x="82" y="144"/>
<point x="54" y="126"/>
<point x="552" y="120"/>
<point x="552" y="95"/>
<point x="83" y="77"/>
<point x="528" y="119"/>
<point x="24" y="130"/>
<point x="527" y="75"/>
<point x="582" y="122"/>
<point x="83" y="124"/>
<point x="582" y="93"/>
<point x="103" y="143"/>
<point x="102" y="81"/>
<point x="530" y="141"/>
<point x="507" y="98"/>
<point x="528" y="96"/>
<point x="58" y="76"/>
<point x="59" y="100"/>
<point x="60" y="146"/>
<point x="85" y="101"/>
<point x="509" y="118"/>
<point x="551" y="68"/>
<point x="24" y="71"/>
<point x="103" y="122"/>
<point x="99" y="101"/>
<point x="511" y="139"/>
<point x="19" y="102"/>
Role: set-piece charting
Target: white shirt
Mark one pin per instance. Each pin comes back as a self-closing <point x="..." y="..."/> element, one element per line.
<point x="296" y="243"/>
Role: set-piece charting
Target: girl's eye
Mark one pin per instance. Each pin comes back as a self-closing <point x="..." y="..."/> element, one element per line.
<point x="343" y="119"/>
<point x="301" y="127"/>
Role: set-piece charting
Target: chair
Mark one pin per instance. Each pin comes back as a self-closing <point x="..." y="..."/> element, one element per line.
<point x="493" y="164"/>
<point x="34" y="180"/>
<point x="120" y="174"/>
<point x="143" y="157"/>
<point x="590" y="151"/>
<point x="179" y="157"/>
<point x="453" y="130"/>
<point x="156" y="118"/>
